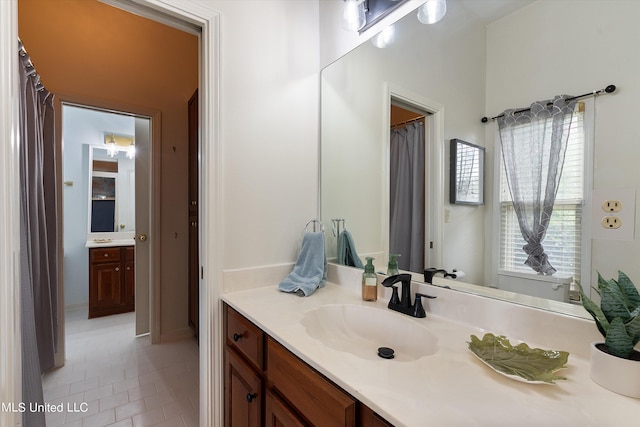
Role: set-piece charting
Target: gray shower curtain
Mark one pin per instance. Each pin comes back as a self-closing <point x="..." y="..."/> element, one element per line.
<point x="38" y="235"/>
<point x="407" y="201"/>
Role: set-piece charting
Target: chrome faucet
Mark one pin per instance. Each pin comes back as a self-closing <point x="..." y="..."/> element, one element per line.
<point x="403" y="304"/>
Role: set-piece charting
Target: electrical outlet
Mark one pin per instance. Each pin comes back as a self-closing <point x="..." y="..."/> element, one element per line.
<point x="612" y="206"/>
<point x="611" y="222"/>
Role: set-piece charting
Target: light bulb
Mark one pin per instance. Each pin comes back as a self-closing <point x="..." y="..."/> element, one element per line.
<point x="131" y="151"/>
<point x="432" y="11"/>
<point x="384" y="38"/>
<point x="111" y="147"/>
<point x="353" y="17"/>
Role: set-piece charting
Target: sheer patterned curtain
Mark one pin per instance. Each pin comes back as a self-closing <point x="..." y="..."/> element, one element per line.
<point x="38" y="236"/>
<point x="534" y="144"/>
<point x="406" y="228"/>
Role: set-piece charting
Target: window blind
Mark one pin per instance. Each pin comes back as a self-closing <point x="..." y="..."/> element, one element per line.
<point x="563" y="240"/>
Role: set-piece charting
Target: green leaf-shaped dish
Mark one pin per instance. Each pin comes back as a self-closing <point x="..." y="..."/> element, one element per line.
<point x="523" y="363"/>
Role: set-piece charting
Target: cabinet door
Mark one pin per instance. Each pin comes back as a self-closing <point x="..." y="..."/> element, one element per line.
<point x="129" y="284"/>
<point x="105" y="292"/>
<point x="242" y="394"/>
<point x="277" y="414"/>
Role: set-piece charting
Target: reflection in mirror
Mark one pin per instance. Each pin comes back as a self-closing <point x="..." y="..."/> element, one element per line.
<point x="474" y="63"/>
<point x="112" y="191"/>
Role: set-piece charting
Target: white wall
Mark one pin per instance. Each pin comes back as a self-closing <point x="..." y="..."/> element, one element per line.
<point x="574" y="47"/>
<point x="268" y="127"/>
<point x="81" y="128"/>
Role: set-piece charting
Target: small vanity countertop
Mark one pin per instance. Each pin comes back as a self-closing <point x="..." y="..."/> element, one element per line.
<point x="449" y="388"/>
<point x="107" y="243"/>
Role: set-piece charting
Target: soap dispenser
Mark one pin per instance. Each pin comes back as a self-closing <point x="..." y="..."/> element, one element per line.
<point x="392" y="267"/>
<point x="369" y="281"/>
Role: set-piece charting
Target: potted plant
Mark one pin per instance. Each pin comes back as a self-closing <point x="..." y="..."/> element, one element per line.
<point x="615" y="364"/>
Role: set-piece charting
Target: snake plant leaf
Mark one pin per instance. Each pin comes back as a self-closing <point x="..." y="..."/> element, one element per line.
<point x="629" y="290"/>
<point x="594" y="310"/>
<point x="613" y="301"/>
<point x="530" y="364"/>
<point x="633" y="326"/>
<point x="618" y="342"/>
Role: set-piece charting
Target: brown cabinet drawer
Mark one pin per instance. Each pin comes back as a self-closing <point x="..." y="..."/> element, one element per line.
<point x="245" y="337"/>
<point x="321" y="402"/>
<point x="104" y="254"/>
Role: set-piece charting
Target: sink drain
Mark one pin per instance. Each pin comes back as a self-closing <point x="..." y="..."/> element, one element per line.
<point x="386" y="352"/>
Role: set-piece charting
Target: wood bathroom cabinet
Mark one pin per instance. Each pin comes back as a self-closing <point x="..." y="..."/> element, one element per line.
<point x="111" y="280"/>
<point x="267" y="385"/>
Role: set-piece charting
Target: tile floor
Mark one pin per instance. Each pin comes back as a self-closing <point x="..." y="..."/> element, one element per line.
<point x="112" y="378"/>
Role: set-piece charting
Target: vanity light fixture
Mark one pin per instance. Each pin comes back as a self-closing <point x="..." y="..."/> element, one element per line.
<point x="131" y="151"/>
<point x="354" y="15"/>
<point x="385" y="37"/>
<point x="432" y="11"/>
<point x="112" y="149"/>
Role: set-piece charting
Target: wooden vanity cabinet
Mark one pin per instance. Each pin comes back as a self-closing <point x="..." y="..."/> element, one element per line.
<point x="267" y="385"/>
<point x="111" y="280"/>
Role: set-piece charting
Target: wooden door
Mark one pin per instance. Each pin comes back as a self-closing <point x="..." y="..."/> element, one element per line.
<point x="242" y="394"/>
<point x="194" y="260"/>
<point x="277" y="414"/>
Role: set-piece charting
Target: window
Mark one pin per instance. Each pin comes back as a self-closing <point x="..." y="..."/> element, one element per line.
<point x="563" y="240"/>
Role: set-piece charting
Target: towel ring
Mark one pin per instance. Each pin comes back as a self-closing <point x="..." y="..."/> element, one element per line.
<point x="316" y="224"/>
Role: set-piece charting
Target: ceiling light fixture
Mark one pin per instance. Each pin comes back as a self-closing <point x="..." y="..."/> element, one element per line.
<point x="432" y="11"/>
<point x="131" y="151"/>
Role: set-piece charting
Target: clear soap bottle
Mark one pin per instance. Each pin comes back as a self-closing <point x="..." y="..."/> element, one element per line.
<point x="392" y="267"/>
<point x="369" y="282"/>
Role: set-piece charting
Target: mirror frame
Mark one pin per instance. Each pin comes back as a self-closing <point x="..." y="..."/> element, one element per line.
<point x="455" y="197"/>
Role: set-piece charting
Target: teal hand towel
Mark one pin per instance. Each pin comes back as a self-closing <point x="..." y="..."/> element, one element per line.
<point x="347" y="254"/>
<point x="310" y="271"/>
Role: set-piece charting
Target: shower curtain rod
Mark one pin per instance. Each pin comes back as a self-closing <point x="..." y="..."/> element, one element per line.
<point x="29" y="64"/>
<point x="608" y="89"/>
<point x="408" y="121"/>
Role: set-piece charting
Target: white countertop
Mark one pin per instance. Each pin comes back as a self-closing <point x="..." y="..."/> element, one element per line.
<point x="449" y="388"/>
<point x="107" y="243"/>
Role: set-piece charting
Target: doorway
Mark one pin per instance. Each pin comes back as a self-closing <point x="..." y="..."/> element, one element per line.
<point x="407" y="187"/>
<point x="105" y="210"/>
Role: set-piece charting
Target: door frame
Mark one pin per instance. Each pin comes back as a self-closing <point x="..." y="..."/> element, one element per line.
<point x="434" y="166"/>
<point x="210" y="210"/>
<point x="153" y="306"/>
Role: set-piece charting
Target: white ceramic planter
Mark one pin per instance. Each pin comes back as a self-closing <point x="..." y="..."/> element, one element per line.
<point x="614" y="373"/>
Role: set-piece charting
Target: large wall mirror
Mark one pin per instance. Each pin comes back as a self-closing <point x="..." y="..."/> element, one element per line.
<point x="112" y="192"/>
<point x="474" y="65"/>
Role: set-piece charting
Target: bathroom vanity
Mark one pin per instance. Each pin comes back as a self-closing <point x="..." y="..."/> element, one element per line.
<point x="280" y="355"/>
<point x="111" y="280"/>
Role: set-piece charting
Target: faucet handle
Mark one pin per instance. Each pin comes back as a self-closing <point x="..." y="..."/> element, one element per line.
<point x="418" y="309"/>
<point x="395" y="299"/>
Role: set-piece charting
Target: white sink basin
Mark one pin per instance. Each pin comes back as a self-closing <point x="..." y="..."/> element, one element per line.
<point x="362" y="330"/>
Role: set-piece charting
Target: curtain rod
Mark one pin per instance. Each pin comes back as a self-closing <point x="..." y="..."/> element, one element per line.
<point x="408" y="121"/>
<point x="608" y="89"/>
<point x="29" y="64"/>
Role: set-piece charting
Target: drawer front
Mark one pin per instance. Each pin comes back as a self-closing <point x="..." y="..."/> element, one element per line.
<point x="321" y="402"/>
<point x="104" y="254"/>
<point x="245" y="337"/>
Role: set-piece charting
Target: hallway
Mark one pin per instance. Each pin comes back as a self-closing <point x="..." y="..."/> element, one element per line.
<point x="114" y="379"/>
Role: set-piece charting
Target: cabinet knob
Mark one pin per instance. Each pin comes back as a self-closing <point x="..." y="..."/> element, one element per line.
<point x="117" y="268"/>
<point x="251" y="397"/>
<point x="194" y="224"/>
<point x="106" y="255"/>
<point x="128" y="268"/>
<point x="237" y="337"/>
